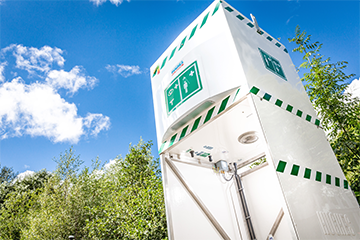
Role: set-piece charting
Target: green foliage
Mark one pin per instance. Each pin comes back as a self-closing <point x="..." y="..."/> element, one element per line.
<point x="7" y="174"/>
<point x="120" y="201"/>
<point x="325" y="83"/>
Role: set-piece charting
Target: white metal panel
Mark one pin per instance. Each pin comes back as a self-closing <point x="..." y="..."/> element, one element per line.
<point x="212" y="41"/>
<point x="296" y="141"/>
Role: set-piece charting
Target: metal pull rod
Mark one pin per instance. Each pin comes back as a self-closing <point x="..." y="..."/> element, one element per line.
<point x="244" y="205"/>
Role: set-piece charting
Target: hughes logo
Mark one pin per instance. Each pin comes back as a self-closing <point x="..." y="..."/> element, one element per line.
<point x="177" y="68"/>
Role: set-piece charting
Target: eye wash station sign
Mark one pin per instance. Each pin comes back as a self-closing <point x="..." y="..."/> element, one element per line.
<point x="184" y="86"/>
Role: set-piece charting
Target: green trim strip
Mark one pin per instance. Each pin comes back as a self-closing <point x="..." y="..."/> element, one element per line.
<point x="299" y="113"/>
<point x="318" y="176"/>
<point x="250" y="24"/>
<point x="183" y="132"/>
<point x="278" y="102"/>
<point x="295" y="170"/>
<point x="308" y="118"/>
<point x="196" y="124"/>
<point x="267" y="97"/>
<point x="281" y="166"/>
<point x="204" y="19"/>
<point x="307" y="174"/>
<point x="285" y="50"/>
<point x="289" y="108"/>
<point x="240" y="17"/>
<point x="269" y="38"/>
<point x="223" y="104"/>
<point x="229" y="9"/>
<point x="260" y="32"/>
<point x="328" y="179"/>
<point x="193" y="32"/>
<point x="209" y="114"/>
<point x="172" y="53"/>
<point x="162" y="147"/>
<point x="216" y="8"/>
<point x="277" y="44"/>
<point x="163" y="63"/>
<point x="172" y="140"/>
<point x="337" y="181"/>
<point x="182" y="43"/>
<point x="254" y="90"/>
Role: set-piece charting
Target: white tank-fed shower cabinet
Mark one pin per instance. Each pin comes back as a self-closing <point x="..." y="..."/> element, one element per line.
<point x="242" y="151"/>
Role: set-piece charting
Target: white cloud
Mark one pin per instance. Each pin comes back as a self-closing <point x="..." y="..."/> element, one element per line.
<point x="23" y="175"/>
<point x="96" y="122"/>
<point x="2" y="68"/>
<point x="124" y="70"/>
<point x="26" y="166"/>
<point x="37" y="109"/>
<point x="32" y="59"/>
<point x="354" y="88"/>
<point x="73" y="80"/>
<point x="116" y="2"/>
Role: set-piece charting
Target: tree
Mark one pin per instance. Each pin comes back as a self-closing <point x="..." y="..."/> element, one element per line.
<point x="325" y="83"/>
<point x="121" y="201"/>
<point x="7" y="174"/>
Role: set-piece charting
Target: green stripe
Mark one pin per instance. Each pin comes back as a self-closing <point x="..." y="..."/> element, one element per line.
<point x="216" y="8"/>
<point x="318" y="176"/>
<point x="285" y="50"/>
<point x="295" y="170"/>
<point x="308" y="118"/>
<point x="278" y="102"/>
<point x="328" y="179"/>
<point x="236" y="94"/>
<point x="267" y="96"/>
<point x="250" y="25"/>
<point x="182" y="43"/>
<point x="229" y="9"/>
<point x="289" y="108"/>
<point x="337" y="181"/>
<point x="299" y="113"/>
<point x="269" y="38"/>
<point x="223" y="105"/>
<point x="278" y="44"/>
<point x="254" y="90"/>
<point x="192" y="32"/>
<point x="163" y="63"/>
<point x="196" y="124"/>
<point x="204" y="19"/>
<point x="281" y="166"/>
<point x="172" y="53"/>
<point x="307" y="173"/>
<point x="240" y="17"/>
<point x="183" y="132"/>
<point x="162" y="147"/>
<point x="260" y="32"/>
<point x="346" y="184"/>
<point x="209" y="114"/>
<point x="172" y="140"/>
<point x="317" y="122"/>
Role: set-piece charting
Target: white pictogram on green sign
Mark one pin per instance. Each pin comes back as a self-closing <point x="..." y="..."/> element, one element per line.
<point x="272" y="64"/>
<point x="184" y="86"/>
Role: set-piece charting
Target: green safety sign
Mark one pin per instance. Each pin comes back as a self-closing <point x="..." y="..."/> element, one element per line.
<point x="184" y="86"/>
<point x="272" y="64"/>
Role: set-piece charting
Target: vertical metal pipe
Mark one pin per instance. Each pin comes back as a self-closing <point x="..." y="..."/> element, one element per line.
<point x="244" y="206"/>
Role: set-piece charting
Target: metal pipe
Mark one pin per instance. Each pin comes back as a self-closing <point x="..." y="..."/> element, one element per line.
<point x="202" y="206"/>
<point x="244" y="205"/>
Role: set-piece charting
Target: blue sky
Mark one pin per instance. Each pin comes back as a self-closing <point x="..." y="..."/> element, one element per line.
<point x="77" y="72"/>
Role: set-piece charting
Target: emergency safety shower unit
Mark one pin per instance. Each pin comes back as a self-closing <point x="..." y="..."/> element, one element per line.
<point x="242" y="151"/>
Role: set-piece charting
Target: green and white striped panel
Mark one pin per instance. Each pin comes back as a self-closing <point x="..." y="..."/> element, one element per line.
<point x="201" y="120"/>
<point x="307" y="173"/>
<point x="287" y="107"/>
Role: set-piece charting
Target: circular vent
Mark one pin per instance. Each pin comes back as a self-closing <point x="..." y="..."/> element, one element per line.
<point x="248" y="137"/>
